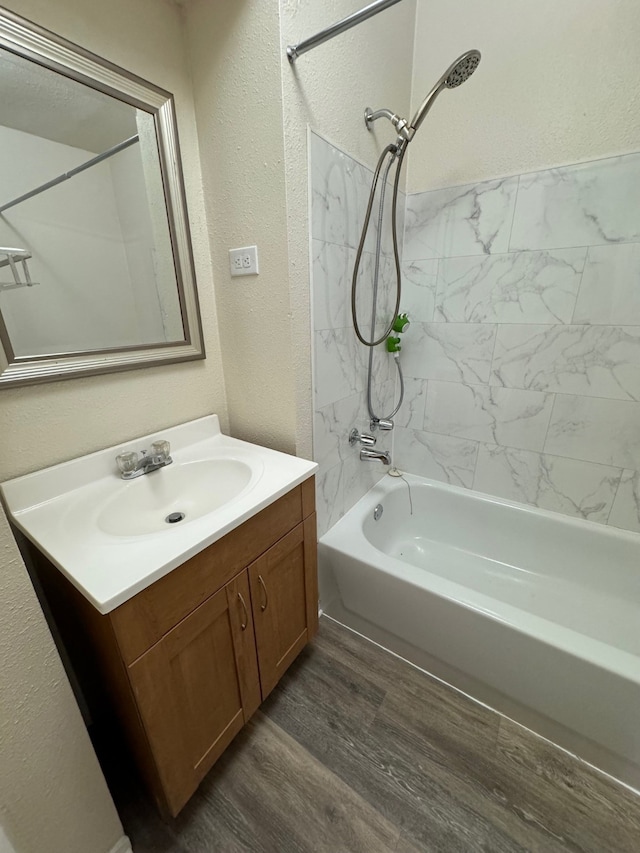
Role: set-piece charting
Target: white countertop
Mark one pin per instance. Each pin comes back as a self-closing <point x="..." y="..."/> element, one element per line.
<point x="57" y="509"/>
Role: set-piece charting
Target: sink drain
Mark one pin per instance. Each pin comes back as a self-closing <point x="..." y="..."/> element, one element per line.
<point x="174" y="517"/>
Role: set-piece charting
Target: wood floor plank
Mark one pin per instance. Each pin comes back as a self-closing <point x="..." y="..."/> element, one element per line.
<point x="405" y="846"/>
<point x="452" y="735"/>
<point x="276" y="798"/>
<point x="216" y="819"/>
<point x="368" y="659"/>
<point x="386" y="775"/>
<point x="586" y="807"/>
<point x="444" y="749"/>
<point x="320" y="686"/>
<point x="444" y="718"/>
<point x="454" y="717"/>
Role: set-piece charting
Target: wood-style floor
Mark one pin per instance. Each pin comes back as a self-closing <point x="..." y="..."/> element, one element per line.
<point x="357" y="752"/>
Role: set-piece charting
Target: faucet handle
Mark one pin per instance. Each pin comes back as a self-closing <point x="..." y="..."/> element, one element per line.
<point x="127" y="462"/>
<point x="364" y="438"/>
<point x="162" y="449"/>
<point x="382" y="424"/>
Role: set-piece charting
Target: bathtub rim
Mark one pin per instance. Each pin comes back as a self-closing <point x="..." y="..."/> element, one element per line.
<point x="389" y="483"/>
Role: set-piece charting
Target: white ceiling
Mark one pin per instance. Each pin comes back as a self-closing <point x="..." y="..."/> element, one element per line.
<point x="39" y="101"/>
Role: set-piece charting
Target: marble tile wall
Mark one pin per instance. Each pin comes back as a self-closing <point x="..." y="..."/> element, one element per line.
<point x="340" y="189"/>
<point x="523" y="357"/>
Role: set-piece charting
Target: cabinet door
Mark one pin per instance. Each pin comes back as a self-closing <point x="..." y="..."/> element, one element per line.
<point x="284" y="595"/>
<point x="196" y="688"/>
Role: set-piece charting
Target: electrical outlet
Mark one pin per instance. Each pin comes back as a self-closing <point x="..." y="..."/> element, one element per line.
<point x="244" y="261"/>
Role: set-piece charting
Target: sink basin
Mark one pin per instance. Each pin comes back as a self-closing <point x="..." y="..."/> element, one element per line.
<point x="174" y="495"/>
<point x="110" y="536"/>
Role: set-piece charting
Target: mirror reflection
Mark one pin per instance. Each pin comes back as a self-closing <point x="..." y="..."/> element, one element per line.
<point x="86" y="260"/>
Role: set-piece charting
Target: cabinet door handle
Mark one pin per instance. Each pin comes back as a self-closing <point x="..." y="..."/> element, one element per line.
<point x="263" y="606"/>
<point x="243" y="625"/>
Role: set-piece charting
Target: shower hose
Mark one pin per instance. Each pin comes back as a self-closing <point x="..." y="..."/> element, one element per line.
<point x="389" y="156"/>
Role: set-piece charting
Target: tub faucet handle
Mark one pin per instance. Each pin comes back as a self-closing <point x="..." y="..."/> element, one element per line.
<point x="383" y="424"/>
<point x="363" y="438"/>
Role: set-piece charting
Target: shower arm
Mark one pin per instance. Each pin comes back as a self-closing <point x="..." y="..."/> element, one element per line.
<point x="406" y="130"/>
<point x="461" y="70"/>
<point x="296" y="50"/>
<point x="405" y="133"/>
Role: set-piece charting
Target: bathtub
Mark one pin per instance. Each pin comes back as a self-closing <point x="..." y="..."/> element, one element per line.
<point x="533" y="613"/>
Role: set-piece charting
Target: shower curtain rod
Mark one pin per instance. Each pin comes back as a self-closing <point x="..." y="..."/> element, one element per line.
<point x="296" y="50"/>
<point x="76" y="171"/>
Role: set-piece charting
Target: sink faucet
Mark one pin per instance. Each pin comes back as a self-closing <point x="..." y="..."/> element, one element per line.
<point x="367" y="455"/>
<point x="133" y="464"/>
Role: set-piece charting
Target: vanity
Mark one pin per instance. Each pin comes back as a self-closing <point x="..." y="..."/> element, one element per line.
<point x="179" y="629"/>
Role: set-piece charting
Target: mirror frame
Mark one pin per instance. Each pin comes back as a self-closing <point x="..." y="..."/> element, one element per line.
<point x="30" y="41"/>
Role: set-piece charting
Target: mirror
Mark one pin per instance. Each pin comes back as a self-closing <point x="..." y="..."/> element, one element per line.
<point x="96" y="270"/>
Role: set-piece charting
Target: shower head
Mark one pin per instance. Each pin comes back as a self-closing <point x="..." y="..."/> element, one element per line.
<point x="454" y="76"/>
<point x="462" y="69"/>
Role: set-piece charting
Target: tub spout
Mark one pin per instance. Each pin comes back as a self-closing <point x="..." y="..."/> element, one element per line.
<point x="367" y="455"/>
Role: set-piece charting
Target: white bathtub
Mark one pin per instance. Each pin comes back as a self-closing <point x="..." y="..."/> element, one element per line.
<point x="534" y="613"/>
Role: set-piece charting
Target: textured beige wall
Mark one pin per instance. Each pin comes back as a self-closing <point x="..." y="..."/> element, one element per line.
<point x="556" y="85"/>
<point x="52" y="795"/>
<point x="234" y="48"/>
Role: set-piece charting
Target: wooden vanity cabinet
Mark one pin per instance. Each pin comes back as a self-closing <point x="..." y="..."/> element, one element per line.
<point x="187" y="661"/>
<point x="282" y="607"/>
<point x="196" y="688"/>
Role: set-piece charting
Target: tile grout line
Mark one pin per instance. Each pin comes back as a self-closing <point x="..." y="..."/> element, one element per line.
<point x="427" y="383"/>
<point x="546" y="250"/>
<point x="354" y="248"/>
<point x="475" y="466"/>
<point x="513" y="217"/>
<point x="615" y="495"/>
<point x="566" y="326"/>
<point x="437" y="290"/>
<point x="592" y="161"/>
<point x="528" y="390"/>
<point x="493" y="354"/>
<point x="575" y="304"/>
<point x="546" y="432"/>
<point x="544" y="325"/>
<point x="481" y="441"/>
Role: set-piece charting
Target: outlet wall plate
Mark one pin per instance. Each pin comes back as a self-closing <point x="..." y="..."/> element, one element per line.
<point x="244" y="261"/>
